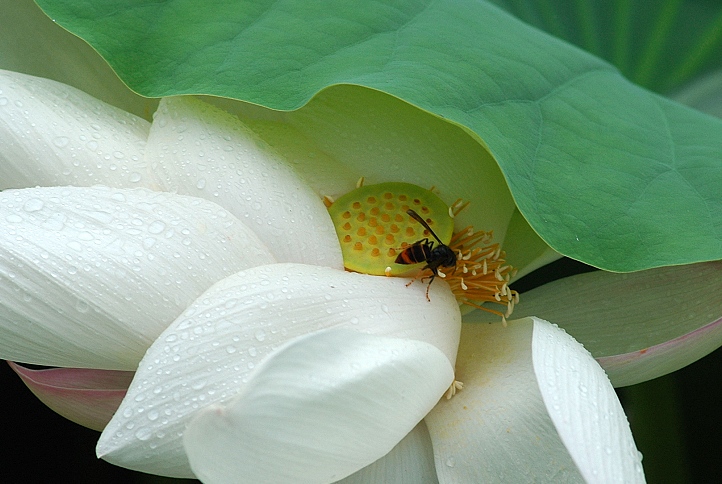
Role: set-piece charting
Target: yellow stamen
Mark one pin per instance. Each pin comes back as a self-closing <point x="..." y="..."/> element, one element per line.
<point x="455" y="387"/>
<point x="491" y="284"/>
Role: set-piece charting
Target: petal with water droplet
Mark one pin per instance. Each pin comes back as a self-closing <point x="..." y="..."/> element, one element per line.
<point x="54" y="134"/>
<point x="535" y="407"/>
<point x="198" y="149"/>
<point x="319" y="409"/>
<point x="81" y="284"/>
<point x="211" y="351"/>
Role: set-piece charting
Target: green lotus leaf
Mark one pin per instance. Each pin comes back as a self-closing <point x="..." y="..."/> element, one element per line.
<point x="603" y="171"/>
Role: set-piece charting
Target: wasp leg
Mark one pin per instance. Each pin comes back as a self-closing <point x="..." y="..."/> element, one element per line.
<point x="418" y="276"/>
<point x="414" y="279"/>
<point x="428" y="286"/>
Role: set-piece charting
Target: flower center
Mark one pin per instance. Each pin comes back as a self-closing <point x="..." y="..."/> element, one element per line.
<point x="374" y="226"/>
<point x="398" y="229"/>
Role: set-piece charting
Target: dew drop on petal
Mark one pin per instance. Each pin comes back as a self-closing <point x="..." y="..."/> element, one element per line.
<point x="143" y="433"/>
<point x="33" y="205"/>
<point x="156" y="227"/>
<point x="61" y="141"/>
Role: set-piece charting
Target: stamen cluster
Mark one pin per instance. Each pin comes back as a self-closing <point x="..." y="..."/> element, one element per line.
<point x="481" y="274"/>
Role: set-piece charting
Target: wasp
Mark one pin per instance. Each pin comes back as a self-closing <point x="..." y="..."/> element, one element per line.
<point x="424" y="251"/>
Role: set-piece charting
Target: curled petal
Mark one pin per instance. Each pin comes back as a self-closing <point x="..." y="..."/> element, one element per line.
<point x="54" y="134"/>
<point x="535" y="407"/>
<point x="319" y="409"/>
<point x="209" y="353"/>
<point x="639" y="325"/>
<point x="203" y="151"/>
<point x="86" y="397"/>
<point x="90" y="276"/>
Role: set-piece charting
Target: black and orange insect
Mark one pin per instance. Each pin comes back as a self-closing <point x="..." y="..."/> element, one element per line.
<point x="424" y="251"/>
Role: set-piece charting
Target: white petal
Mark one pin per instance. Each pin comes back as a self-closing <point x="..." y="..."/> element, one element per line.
<point x="584" y="408"/>
<point x="410" y="462"/>
<point x="208" y="354"/>
<point x="318" y="410"/>
<point x="90" y="276"/>
<point x="53" y="134"/>
<point x="639" y="325"/>
<point x="205" y="152"/>
<point x="535" y="408"/>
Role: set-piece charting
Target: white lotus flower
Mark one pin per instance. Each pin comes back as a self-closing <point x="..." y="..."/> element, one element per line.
<point x="189" y="252"/>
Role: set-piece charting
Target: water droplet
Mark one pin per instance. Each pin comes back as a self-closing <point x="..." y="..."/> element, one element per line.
<point x="134" y="177"/>
<point x="260" y="335"/>
<point x="33" y="205"/>
<point x="450" y="462"/>
<point x="156" y="227"/>
<point x="143" y="433"/>
<point x="14" y="219"/>
<point x="201" y="184"/>
<point x="61" y="141"/>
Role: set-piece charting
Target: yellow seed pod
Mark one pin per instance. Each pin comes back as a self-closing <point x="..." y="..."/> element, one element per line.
<point x="373" y="225"/>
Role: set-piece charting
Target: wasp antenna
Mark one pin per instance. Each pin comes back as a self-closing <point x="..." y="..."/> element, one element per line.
<point x="418" y="218"/>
